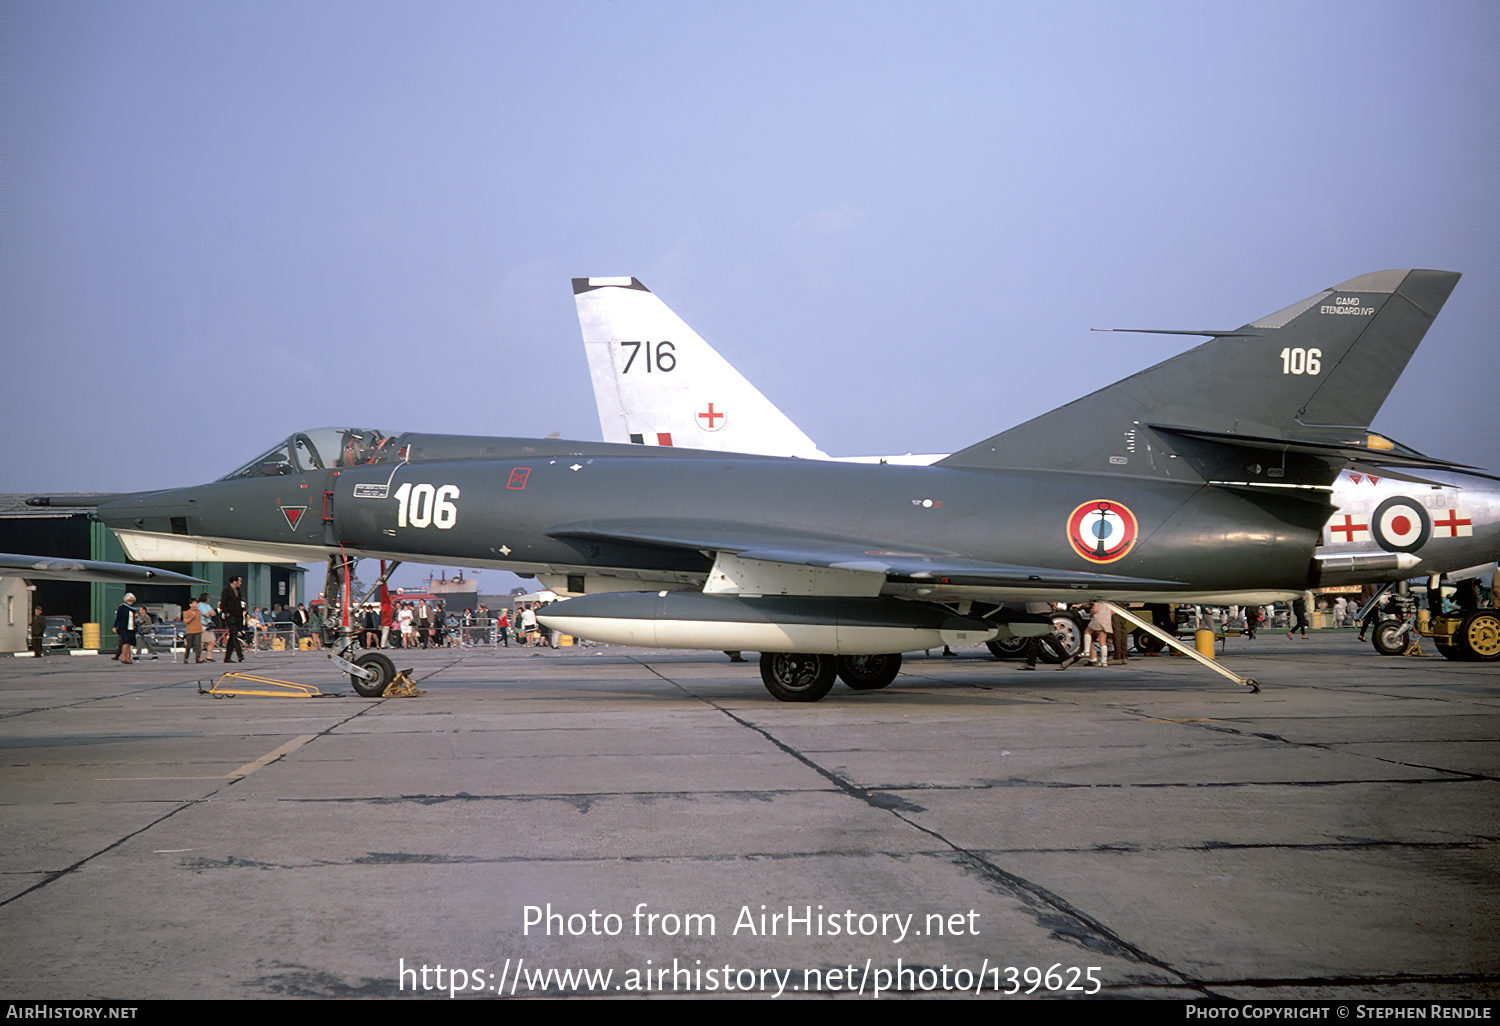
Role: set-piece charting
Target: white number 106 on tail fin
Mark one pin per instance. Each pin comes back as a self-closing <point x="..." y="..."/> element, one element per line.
<point x="1301" y="361"/>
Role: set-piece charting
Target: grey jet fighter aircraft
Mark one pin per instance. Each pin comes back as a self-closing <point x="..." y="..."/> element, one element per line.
<point x="1203" y="479"/>
<point x="684" y="392"/>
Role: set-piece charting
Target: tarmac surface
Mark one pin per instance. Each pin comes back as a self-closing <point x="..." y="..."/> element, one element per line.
<point x="1335" y="836"/>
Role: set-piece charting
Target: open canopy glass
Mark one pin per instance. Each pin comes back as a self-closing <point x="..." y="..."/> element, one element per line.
<point x="321" y="449"/>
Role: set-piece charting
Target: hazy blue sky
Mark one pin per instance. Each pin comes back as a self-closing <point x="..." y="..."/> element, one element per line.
<point x="223" y="221"/>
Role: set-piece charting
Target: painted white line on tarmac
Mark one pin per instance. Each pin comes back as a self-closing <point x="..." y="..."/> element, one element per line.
<point x="271" y="756"/>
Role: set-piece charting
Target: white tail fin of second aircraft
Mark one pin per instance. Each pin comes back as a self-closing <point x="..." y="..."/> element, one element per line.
<point x="656" y="382"/>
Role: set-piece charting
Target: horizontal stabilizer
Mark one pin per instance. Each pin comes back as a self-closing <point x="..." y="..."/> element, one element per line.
<point x="1233" y="333"/>
<point x="1339" y="450"/>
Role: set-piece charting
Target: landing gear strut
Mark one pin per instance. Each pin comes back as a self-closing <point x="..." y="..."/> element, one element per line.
<point x="370" y="673"/>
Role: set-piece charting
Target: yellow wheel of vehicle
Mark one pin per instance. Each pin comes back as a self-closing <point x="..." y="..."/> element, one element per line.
<point x="1478" y="636"/>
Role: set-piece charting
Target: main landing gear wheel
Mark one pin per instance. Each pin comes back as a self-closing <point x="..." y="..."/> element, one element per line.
<point x="1478" y="637"/>
<point x="1069" y="633"/>
<point x="385" y="672"/>
<point x="1388" y="638"/>
<point x="868" y="672"/>
<point x="1005" y="648"/>
<point x="795" y="677"/>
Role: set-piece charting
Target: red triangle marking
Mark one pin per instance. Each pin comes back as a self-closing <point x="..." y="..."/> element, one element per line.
<point x="293" y="515"/>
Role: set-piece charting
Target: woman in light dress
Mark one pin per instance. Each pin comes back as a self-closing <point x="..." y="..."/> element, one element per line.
<point x="1101" y="624"/>
<point x="408" y="635"/>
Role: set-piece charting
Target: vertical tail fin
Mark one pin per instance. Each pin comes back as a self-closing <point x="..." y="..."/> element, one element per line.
<point x="656" y="382"/>
<point x="1316" y="370"/>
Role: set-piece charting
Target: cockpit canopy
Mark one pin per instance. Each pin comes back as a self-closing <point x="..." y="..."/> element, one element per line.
<point x="322" y="449"/>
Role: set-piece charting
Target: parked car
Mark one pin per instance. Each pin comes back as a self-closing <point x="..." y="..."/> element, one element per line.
<point x="167" y="634"/>
<point x="60" y="633"/>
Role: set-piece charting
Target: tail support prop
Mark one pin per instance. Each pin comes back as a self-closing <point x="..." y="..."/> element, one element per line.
<point x="1157" y="632"/>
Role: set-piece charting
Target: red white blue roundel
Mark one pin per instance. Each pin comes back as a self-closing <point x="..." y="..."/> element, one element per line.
<point x="1400" y="524"/>
<point x="1102" y="531"/>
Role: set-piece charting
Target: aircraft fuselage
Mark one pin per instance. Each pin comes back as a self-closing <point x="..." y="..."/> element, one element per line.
<point x="562" y="514"/>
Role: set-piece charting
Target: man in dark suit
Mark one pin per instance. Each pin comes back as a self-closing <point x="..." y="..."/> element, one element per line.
<point x="38" y="632"/>
<point x="232" y="612"/>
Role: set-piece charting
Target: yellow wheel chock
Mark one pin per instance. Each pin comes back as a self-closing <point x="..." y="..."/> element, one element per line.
<point x="402" y="687"/>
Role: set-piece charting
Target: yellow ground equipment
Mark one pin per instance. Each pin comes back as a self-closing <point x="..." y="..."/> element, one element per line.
<point x="402" y="687"/>
<point x="232" y="684"/>
<point x="1471" y="636"/>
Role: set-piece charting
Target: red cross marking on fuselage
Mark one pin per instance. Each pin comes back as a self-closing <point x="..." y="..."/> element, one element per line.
<point x="1349" y="527"/>
<point x="711" y="415"/>
<point x="1453" y="523"/>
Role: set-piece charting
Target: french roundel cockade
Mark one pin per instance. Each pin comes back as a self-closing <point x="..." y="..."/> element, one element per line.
<point x="1400" y="524"/>
<point x="1101" y="530"/>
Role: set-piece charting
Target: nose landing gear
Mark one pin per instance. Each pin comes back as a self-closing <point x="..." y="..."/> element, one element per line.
<point x="372" y="672"/>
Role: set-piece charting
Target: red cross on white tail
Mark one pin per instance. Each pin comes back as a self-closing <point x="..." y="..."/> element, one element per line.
<point x="708" y="420"/>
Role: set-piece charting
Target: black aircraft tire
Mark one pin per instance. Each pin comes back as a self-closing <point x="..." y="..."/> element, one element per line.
<point x="1006" y="648"/>
<point x="868" y="672"/>
<point x="1387" y="639"/>
<point x="1478" y="637"/>
<point x="384" y="668"/>
<point x="1069" y="632"/>
<point x="797" y="677"/>
<point x="1450" y="652"/>
<point x="1146" y="644"/>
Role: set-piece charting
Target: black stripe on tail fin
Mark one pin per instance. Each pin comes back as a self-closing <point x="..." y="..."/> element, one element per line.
<point x="1316" y="370"/>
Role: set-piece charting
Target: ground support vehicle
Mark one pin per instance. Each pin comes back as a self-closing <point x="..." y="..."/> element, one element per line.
<point x="1468" y="635"/>
<point x="1471" y="636"/>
